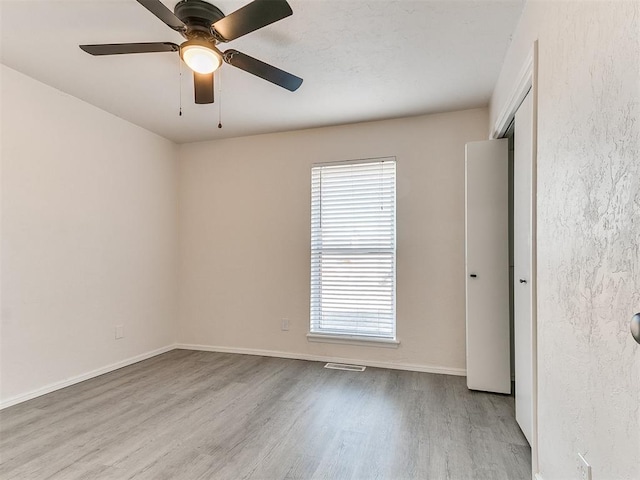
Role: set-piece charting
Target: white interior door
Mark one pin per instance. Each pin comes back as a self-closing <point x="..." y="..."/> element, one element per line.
<point x="523" y="306"/>
<point x="487" y="266"/>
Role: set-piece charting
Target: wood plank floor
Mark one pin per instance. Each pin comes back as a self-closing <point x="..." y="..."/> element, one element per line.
<point x="202" y="415"/>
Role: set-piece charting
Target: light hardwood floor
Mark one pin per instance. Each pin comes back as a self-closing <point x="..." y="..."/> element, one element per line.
<point x="202" y="415"/>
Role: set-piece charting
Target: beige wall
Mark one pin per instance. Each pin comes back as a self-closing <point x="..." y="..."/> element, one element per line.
<point x="245" y="233"/>
<point x="88" y="238"/>
<point x="588" y="230"/>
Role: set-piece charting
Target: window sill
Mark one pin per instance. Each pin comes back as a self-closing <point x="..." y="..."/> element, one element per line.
<point x="353" y="340"/>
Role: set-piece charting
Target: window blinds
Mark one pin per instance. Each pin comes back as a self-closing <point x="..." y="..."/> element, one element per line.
<point x="353" y="247"/>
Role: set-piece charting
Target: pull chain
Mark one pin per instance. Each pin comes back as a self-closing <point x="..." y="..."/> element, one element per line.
<point x="219" y="98"/>
<point x="180" y="84"/>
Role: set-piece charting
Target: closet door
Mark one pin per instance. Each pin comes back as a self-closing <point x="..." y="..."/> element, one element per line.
<point x="523" y="264"/>
<point x="487" y="266"/>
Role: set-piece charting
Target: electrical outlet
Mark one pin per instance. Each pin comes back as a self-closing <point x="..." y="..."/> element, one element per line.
<point x="584" y="469"/>
<point x="119" y="331"/>
<point x="285" y="324"/>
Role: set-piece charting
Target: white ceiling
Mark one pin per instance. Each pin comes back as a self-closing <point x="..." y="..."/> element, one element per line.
<point x="360" y="60"/>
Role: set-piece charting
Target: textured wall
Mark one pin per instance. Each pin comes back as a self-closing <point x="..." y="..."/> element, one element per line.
<point x="588" y="232"/>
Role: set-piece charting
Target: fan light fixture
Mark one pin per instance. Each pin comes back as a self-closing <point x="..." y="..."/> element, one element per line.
<point x="200" y="56"/>
<point x="204" y="28"/>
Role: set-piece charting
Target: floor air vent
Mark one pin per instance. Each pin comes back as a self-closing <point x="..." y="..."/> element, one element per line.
<point x="344" y="366"/>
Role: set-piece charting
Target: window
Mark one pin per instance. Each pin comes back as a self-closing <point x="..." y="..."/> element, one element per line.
<point x="353" y="249"/>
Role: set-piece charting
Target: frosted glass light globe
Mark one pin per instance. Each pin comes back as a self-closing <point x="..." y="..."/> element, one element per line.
<point x="201" y="59"/>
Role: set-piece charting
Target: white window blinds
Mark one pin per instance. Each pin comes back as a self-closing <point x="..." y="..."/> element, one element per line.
<point x="353" y="248"/>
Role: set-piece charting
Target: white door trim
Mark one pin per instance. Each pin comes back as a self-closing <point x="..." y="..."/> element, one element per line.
<point x="528" y="80"/>
<point x="521" y="86"/>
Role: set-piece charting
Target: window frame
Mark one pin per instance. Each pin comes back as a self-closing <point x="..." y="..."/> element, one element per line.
<point x="352" y="337"/>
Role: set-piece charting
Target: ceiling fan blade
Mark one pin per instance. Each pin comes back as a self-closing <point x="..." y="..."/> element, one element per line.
<point x="163" y="13"/>
<point x="253" y="16"/>
<point x="203" y="87"/>
<point x="122" y="48"/>
<point x="262" y="70"/>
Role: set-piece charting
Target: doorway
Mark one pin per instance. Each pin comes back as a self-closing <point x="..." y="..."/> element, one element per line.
<point x="518" y="114"/>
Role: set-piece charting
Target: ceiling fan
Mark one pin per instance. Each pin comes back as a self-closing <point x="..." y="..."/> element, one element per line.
<point x="204" y="26"/>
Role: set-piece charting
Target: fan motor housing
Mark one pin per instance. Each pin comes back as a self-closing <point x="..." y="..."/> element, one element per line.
<point x="197" y="15"/>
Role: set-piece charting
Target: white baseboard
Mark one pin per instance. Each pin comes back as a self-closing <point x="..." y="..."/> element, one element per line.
<point x="537" y="476"/>
<point x="80" y="378"/>
<point x="52" y="387"/>
<point x="320" y="358"/>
